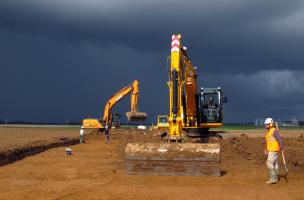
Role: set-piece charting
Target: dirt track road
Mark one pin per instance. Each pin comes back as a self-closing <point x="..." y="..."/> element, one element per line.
<point x="96" y="171"/>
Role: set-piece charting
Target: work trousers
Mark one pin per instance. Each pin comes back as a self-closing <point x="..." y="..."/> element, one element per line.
<point x="272" y="160"/>
<point x="107" y="135"/>
<point x="81" y="138"/>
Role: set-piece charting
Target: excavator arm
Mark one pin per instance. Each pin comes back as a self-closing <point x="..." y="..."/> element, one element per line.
<point x="175" y="90"/>
<point x="133" y="115"/>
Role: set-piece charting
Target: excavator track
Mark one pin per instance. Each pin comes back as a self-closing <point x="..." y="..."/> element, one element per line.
<point x="196" y="132"/>
<point x="190" y="159"/>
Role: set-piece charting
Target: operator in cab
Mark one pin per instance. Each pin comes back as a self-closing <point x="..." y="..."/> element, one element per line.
<point x="211" y="104"/>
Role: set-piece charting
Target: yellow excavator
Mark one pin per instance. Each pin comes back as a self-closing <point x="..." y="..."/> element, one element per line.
<point x="191" y="111"/>
<point x="132" y="115"/>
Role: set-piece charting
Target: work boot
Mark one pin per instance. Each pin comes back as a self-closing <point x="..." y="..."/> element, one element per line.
<point x="273" y="177"/>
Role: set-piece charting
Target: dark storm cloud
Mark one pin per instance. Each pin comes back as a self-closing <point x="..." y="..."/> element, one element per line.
<point x="240" y="45"/>
<point x="42" y="79"/>
<point x="277" y="93"/>
<point x="223" y="34"/>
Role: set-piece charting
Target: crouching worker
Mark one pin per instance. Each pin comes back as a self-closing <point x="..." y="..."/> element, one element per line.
<point x="274" y="145"/>
<point x="81" y="135"/>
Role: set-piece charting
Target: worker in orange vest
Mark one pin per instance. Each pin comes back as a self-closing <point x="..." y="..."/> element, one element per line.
<point x="274" y="145"/>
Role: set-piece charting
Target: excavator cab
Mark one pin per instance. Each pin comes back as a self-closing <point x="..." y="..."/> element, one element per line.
<point x="211" y="105"/>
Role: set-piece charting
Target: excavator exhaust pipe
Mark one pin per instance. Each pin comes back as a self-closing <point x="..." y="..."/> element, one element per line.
<point x="191" y="159"/>
<point x="136" y="116"/>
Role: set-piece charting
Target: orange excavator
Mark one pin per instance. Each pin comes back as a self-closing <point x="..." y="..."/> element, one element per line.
<point x="132" y="115"/>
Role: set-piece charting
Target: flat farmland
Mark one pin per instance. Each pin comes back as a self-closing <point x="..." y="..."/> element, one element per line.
<point x="96" y="171"/>
<point x="16" y="137"/>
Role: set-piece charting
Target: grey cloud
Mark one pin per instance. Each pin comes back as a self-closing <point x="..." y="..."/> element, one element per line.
<point x="267" y="84"/>
<point x="145" y="24"/>
<point x="268" y="92"/>
<point x="273" y="83"/>
<point x="42" y="79"/>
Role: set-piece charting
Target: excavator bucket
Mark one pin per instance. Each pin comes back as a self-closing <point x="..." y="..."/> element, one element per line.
<point x="136" y="116"/>
<point x="191" y="159"/>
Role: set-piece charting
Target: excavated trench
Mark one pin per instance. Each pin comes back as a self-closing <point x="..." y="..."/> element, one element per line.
<point x="18" y="153"/>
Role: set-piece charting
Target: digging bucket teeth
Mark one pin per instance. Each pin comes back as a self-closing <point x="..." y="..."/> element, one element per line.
<point x="191" y="159"/>
<point x="136" y="116"/>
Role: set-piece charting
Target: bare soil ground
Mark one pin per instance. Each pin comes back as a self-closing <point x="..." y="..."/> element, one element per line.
<point x="14" y="137"/>
<point x="96" y="171"/>
<point x="17" y="143"/>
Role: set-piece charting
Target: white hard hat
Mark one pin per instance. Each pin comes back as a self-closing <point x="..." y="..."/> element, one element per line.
<point x="82" y="127"/>
<point x="268" y="121"/>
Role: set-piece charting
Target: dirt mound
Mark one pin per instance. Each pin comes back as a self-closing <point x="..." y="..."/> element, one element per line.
<point x="244" y="148"/>
<point x="294" y="152"/>
<point x="250" y="149"/>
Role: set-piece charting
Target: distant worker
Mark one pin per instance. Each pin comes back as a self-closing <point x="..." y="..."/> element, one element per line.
<point x="107" y="134"/>
<point x="211" y="104"/>
<point x="81" y="135"/>
<point x="273" y="146"/>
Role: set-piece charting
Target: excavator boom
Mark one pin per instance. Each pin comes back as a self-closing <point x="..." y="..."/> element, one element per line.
<point x="133" y="115"/>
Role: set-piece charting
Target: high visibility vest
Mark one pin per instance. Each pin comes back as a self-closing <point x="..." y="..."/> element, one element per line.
<point x="271" y="142"/>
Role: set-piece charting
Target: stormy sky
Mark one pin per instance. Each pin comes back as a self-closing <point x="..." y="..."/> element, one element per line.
<point x="64" y="58"/>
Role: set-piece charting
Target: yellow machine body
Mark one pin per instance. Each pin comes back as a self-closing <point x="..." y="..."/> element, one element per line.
<point x="162" y="122"/>
<point x="185" y="103"/>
